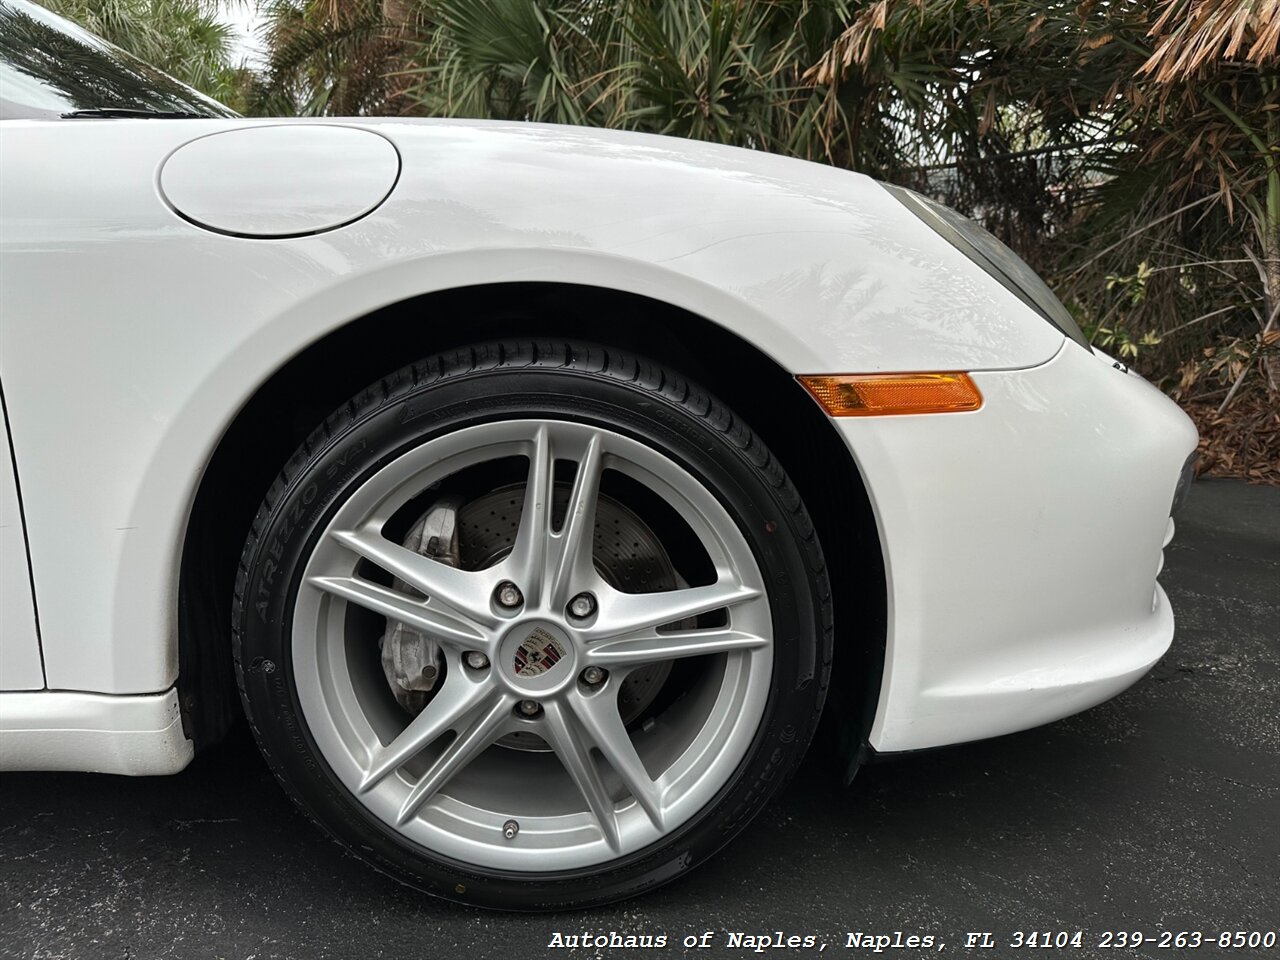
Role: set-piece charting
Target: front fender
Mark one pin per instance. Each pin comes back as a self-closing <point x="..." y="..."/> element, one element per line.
<point x="132" y="337"/>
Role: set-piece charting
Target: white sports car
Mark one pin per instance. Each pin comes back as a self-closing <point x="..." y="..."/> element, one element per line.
<point x="535" y="486"/>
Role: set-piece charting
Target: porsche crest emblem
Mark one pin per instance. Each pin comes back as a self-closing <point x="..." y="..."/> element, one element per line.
<point x="539" y="652"/>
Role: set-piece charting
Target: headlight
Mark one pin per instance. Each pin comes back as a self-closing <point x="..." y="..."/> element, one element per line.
<point x="992" y="256"/>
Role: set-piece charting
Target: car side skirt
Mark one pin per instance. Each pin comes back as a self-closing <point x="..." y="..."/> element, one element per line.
<point x="138" y="735"/>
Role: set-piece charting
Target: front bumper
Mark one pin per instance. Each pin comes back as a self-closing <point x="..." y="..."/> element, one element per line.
<point x="1021" y="546"/>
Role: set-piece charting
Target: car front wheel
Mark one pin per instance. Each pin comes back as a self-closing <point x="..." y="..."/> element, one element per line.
<point x="533" y="626"/>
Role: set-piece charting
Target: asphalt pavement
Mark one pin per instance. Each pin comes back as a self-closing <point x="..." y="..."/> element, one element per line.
<point x="1158" y="811"/>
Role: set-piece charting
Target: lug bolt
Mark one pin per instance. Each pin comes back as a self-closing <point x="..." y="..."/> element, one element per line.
<point x="476" y="660"/>
<point x="510" y="829"/>
<point x="582" y="606"/>
<point x="530" y="708"/>
<point x="508" y="595"/>
<point x="593" y="676"/>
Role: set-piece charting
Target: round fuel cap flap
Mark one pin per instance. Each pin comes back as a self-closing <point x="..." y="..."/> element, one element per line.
<point x="282" y="180"/>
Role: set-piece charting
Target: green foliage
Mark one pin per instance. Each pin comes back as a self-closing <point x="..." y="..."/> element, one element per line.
<point x="753" y="73"/>
<point x="328" y="58"/>
<point x="1120" y="338"/>
<point x="184" y="38"/>
<point x="1183" y="191"/>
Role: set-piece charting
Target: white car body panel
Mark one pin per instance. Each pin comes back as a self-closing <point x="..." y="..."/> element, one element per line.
<point x="164" y="329"/>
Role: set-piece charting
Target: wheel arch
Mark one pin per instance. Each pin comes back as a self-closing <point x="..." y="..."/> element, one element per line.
<point x="315" y="380"/>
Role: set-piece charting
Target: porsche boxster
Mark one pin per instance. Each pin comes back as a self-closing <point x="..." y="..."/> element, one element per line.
<point x="533" y="491"/>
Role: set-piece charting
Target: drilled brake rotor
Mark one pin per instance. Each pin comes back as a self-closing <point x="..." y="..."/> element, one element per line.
<point x="627" y="555"/>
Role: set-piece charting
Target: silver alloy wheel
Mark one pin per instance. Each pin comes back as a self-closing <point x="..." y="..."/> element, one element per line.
<point x="603" y="791"/>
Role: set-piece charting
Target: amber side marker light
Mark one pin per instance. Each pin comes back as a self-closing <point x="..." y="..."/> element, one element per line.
<point x="884" y="394"/>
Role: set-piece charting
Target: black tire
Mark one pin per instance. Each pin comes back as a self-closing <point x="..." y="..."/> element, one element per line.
<point x="520" y="380"/>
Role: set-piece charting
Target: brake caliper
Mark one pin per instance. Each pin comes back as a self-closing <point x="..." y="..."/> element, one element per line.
<point x="410" y="658"/>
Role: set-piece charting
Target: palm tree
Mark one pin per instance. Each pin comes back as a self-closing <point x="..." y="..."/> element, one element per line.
<point x="336" y="58"/>
<point x="1216" y="69"/>
<point x="732" y="71"/>
<point x="1184" y="203"/>
<point x="184" y="38"/>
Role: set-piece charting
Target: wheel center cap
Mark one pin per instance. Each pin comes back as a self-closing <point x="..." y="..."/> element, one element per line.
<point x="536" y="656"/>
<point x="539" y="652"/>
